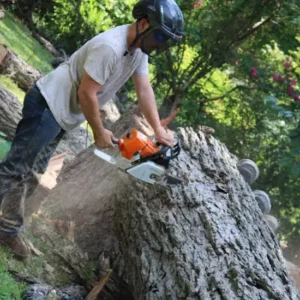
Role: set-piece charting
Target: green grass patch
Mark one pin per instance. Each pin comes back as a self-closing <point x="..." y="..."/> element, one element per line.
<point x="11" y="86"/>
<point x="9" y="288"/>
<point x="18" y="38"/>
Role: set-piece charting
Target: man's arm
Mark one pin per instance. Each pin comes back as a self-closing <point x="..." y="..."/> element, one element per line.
<point x="87" y="95"/>
<point x="148" y="106"/>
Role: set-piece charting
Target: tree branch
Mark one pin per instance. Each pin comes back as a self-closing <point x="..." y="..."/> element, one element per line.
<point x="239" y="87"/>
<point x="171" y="69"/>
<point x="196" y="77"/>
<point x="255" y="28"/>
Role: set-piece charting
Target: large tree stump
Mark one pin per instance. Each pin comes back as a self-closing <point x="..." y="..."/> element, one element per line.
<point x="204" y="240"/>
<point x="17" y="69"/>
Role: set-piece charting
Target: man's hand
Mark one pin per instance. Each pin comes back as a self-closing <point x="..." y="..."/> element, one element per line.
<point x="105" y="140"/>
<point x="164" y="136"/>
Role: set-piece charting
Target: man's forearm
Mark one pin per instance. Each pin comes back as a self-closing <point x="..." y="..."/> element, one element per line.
<point x="90" y="109"/>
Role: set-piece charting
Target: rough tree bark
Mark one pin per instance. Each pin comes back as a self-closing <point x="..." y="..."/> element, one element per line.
<point x="204" y="240"/>
<point x="17" y="69"/>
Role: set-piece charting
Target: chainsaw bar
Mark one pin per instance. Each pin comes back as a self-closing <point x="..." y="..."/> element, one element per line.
<point x="146" y="171"/>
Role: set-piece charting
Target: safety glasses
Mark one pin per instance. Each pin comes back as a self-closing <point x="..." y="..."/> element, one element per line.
<point x="155" y="41"/>
<point x="160" y="37"/>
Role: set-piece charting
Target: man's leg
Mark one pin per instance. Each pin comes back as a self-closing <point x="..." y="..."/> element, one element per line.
<point x="35" y="131"/>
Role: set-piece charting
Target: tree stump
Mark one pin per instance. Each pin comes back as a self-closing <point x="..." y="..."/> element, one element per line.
<point x="204" y="240"/>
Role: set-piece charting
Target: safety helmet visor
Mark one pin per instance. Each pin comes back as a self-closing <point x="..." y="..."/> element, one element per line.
<point x="156" y="41"/>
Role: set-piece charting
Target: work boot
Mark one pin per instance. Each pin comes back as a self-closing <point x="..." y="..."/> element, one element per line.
<point x="17" y="246"/>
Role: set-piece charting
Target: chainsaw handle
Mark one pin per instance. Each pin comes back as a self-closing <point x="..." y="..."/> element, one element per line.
<point x="120" y="144"/>
<point x="162" y="157"/>
<point x="175" y="151"/>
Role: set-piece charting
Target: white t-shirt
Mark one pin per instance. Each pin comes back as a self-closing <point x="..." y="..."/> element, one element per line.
<point x="103" y="59"/>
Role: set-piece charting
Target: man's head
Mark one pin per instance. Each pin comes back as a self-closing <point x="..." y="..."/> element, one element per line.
<point x="159" y="25"/>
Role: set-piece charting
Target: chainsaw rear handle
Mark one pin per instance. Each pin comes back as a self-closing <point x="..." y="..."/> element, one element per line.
<point x="163" y="156"/>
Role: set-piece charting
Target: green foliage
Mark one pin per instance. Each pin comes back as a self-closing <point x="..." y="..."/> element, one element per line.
<point x="24" y="8"/>
<point x="18" y="38"/>
<point x="74" y="22"/>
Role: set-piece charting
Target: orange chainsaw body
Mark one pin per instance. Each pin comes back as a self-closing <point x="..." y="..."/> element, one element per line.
<point x="134" y="142"/>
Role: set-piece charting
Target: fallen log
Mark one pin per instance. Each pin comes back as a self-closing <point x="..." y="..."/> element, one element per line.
<point x="17" y="69"/>
<point x="10" y="113"/>
<point x="203" y="240"/>
<point x="2" y="15"/>
<point x="45" y="43"/>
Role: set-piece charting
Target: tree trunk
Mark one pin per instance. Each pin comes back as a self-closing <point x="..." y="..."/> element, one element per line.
<point x="18" y="70"/>
<point x="204" y="240"/>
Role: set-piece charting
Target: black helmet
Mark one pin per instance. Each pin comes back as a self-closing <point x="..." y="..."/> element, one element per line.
<point x="163" y="14"/>
<point x="165" y="25"/>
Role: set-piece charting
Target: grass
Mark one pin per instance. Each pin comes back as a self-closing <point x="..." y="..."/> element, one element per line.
<point x="9" y="288"/>
<point x="35" y="268"/>
<point x="19" y="39"/>
<point x="11" y="86"/>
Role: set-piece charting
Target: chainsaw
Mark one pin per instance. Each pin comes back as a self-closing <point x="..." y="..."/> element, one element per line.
<point x="144" y="159"/>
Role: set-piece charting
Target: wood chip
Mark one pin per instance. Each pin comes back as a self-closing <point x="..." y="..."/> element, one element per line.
<point x="34" y="250"/>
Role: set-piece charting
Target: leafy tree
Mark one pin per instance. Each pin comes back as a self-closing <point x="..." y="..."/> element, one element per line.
<point x="72" y="23"/>
<point x="25" y="9"/>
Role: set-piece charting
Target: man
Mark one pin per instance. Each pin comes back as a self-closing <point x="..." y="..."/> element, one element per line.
<point x="75" y="91"/>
